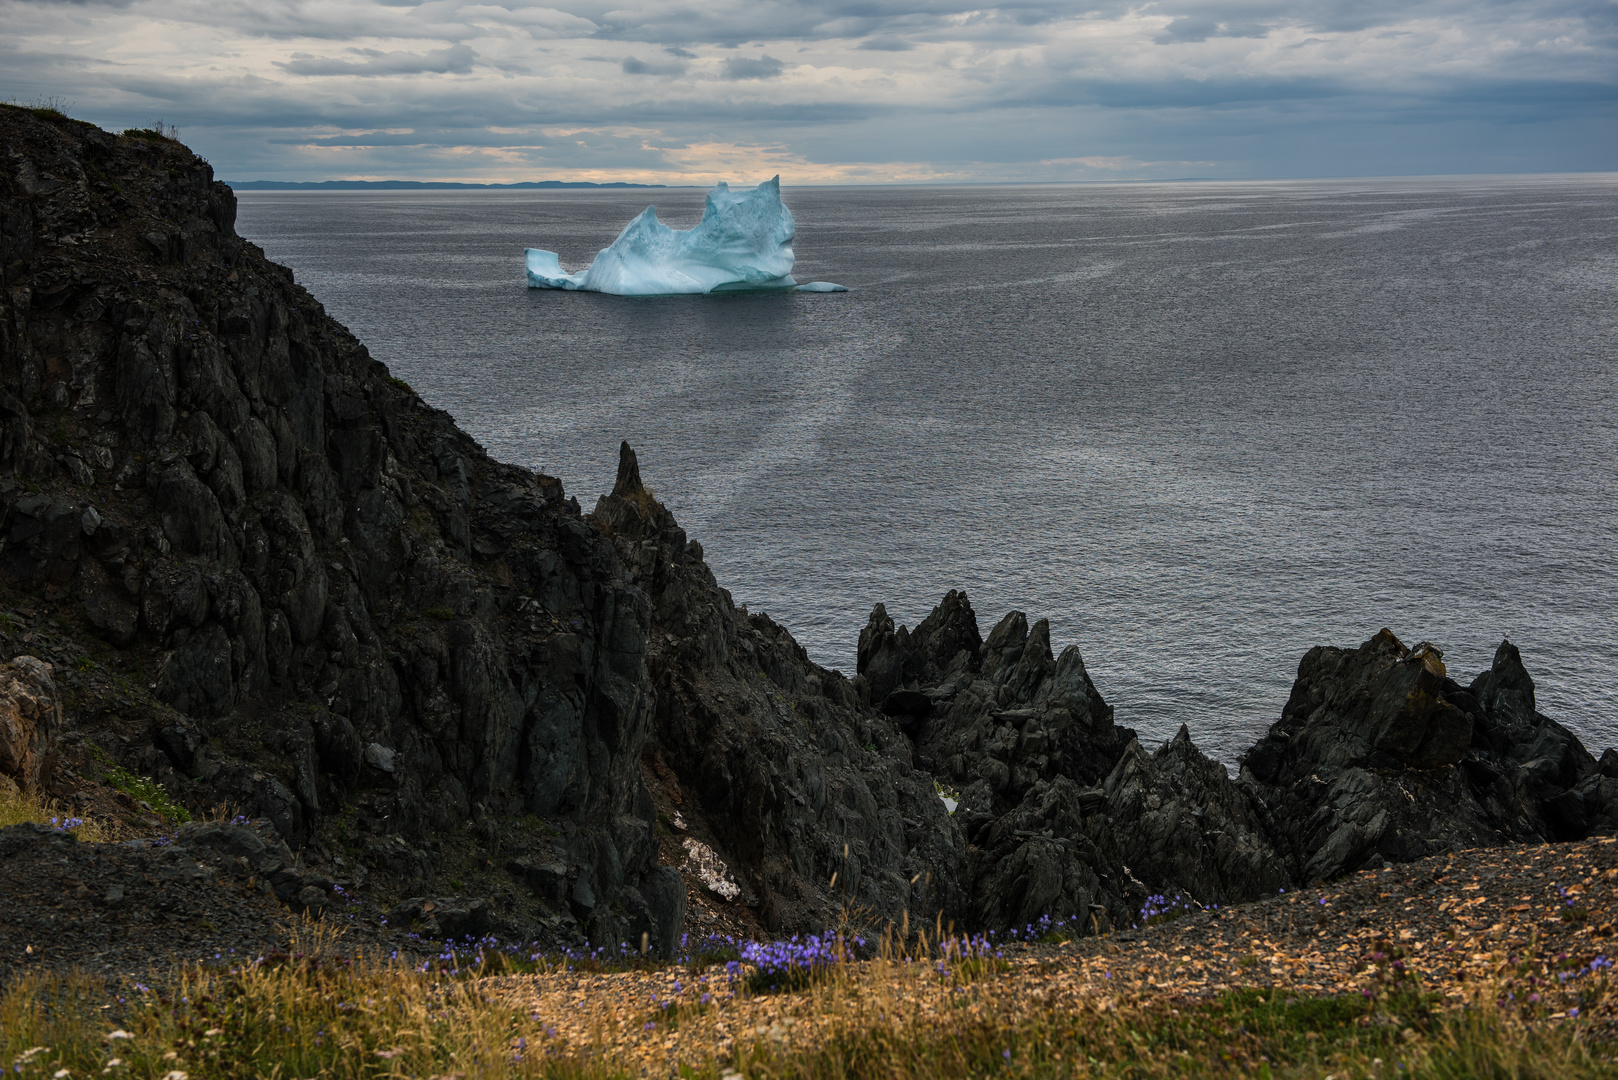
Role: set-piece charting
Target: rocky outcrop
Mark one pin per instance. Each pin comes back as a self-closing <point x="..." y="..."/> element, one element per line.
<point x="1187" y="826"/>
<point x="1066" y="815"/>
<point x="314" y="598"/>
<point x="30" y="721"/>
<point x="1025" y="737"/>
<point x="812" y="798"/>
<point x="1379" y="756"/>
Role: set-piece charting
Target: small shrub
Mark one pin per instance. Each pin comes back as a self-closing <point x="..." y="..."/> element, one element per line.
<point x="159" y="132"/>
<point x="143" y="789"/>
<point x="442" y="614"/>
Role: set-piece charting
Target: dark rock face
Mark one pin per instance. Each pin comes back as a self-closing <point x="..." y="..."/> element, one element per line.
<point x="1025" y="737"/>
<point x="311" y="598"/>
<point x="453" y="918"/>
<point x="1381" y="704"/>
<point x="1184" y="821"/>
<point x="1066" y="815"/>
<point x="1380" y="756"/>
<point x="328" y="599"/>
<point x="811" y="797"/>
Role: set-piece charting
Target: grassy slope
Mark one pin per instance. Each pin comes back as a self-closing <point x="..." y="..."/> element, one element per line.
<point x="322" y="1011"/>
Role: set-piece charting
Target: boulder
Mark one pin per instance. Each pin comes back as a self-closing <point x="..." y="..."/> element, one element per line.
<point x="30" y="723"/>
<point x="448" y="918"/>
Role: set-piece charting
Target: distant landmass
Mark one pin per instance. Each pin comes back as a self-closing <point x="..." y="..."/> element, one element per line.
<point x="412" y="185"/>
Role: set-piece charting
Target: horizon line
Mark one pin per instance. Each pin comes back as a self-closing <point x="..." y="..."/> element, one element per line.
<point x="373" y="185"/>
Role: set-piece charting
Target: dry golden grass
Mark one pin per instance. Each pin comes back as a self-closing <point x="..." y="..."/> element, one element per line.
<point x="1488" y="964"/>
<point x="324" y="1011"/>
<point x="17" y="808"/>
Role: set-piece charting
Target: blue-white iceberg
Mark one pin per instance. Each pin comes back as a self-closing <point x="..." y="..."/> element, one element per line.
<point x="743" y="242"/>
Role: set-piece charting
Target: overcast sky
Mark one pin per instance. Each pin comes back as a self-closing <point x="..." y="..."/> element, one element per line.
<point x="861" y="91"/>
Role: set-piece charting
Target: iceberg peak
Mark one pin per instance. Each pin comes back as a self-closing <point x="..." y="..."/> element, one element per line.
<point x="743" y="242"/>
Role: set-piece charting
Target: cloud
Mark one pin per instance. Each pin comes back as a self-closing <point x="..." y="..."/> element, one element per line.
<point x="633" y="66"/>
<point x="885" y="43"/>
<point x="455" y="60"/>
<point x="743" y="67"/>
<point x="1195" y="28"/>
<point x="877" y="89"/>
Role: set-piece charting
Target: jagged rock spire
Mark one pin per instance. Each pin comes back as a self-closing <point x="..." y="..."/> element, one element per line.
<point x="628" y="484"/>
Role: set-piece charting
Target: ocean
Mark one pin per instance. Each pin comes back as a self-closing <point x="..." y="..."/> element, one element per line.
<point x="1200" y="427"/>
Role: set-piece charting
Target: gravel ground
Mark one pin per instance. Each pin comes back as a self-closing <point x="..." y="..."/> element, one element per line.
<point x="124" y="909"/>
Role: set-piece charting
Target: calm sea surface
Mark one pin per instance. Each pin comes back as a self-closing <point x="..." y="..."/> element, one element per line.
<point x="1200" y="427"/>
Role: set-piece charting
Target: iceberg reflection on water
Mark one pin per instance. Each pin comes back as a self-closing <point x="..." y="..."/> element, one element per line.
<point x="742" y="243"/>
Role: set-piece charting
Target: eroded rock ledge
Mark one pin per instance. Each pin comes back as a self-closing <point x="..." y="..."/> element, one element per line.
<point x="251" y="565"/>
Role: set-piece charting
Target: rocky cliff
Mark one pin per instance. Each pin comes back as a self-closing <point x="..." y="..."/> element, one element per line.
<point x="279" y="582"/>
<point x="250" y="565"/>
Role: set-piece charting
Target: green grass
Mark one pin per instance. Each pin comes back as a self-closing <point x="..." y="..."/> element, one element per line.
<point x="140" y="788"/>
<point x="1246" y="1033"/>
<point x="145" y="789"/>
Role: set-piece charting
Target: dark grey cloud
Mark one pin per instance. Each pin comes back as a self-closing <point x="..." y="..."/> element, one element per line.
<point x="885" y="43"/>
<point x="270" y="86"/>
<point x="1183" y="93"/>
<point x="455" y="60"/>
<point x="735" y="22"/>
<point x="1526" y="99"/>
<point x="667" y="67"/>
<point x="456" y="137"/>
<point x="747" y="67"/>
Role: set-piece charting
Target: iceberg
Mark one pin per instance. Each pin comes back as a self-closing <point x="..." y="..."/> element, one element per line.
<point x="743" y="242"/>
